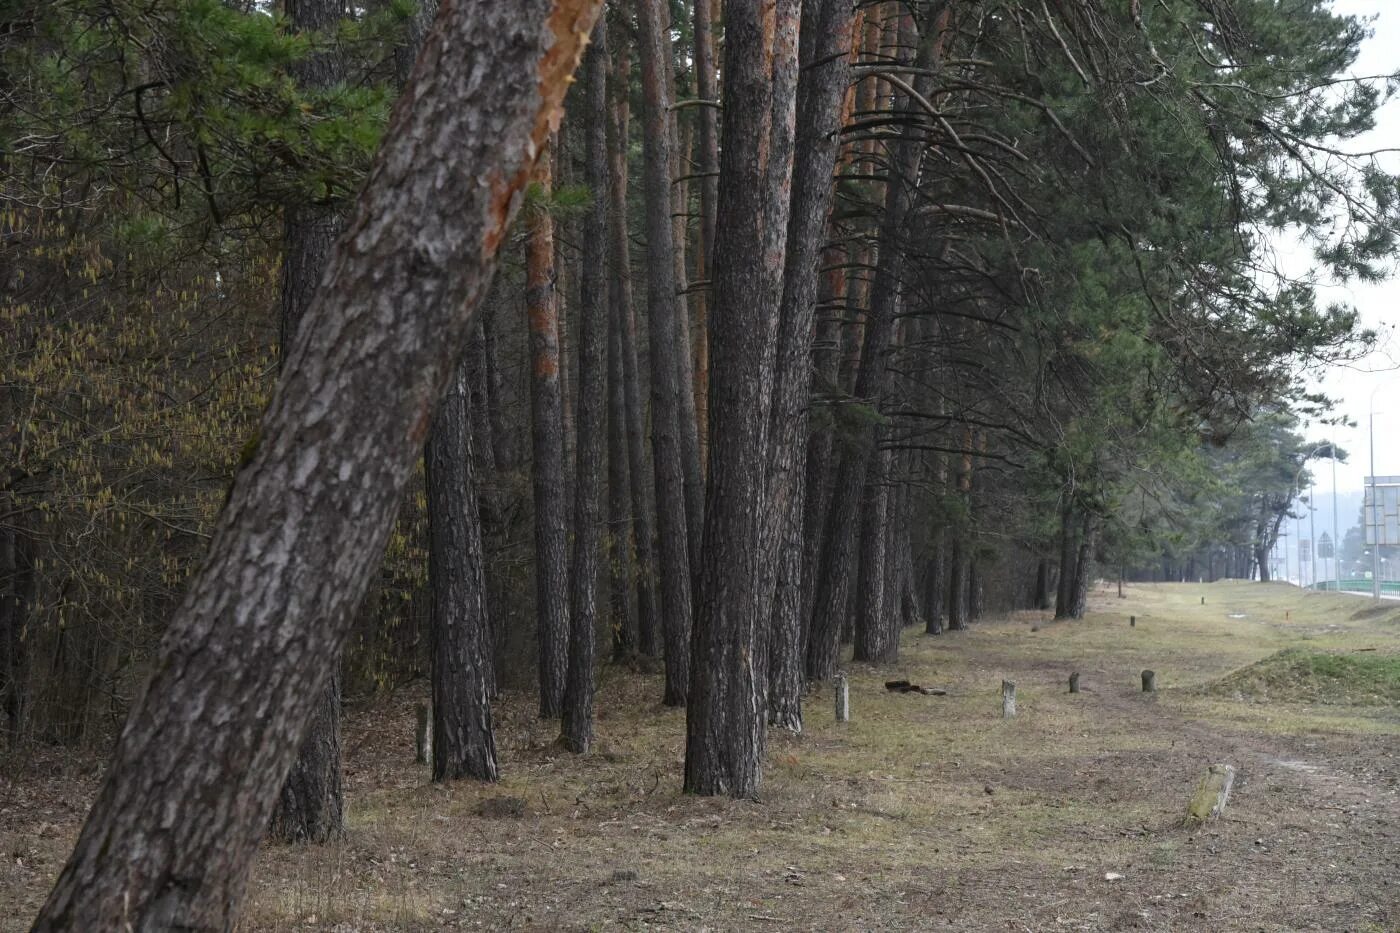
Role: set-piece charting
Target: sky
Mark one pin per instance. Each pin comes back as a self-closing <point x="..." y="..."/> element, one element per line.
<point x="1372" y="383"/>
<point x="1353" y="386"/>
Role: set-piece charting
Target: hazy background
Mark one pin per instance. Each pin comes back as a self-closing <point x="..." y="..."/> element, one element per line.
<point x="1378" y="375"/>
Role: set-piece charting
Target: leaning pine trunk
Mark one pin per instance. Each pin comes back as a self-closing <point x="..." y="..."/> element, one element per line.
<point x="311" y="805"/>
<point x="170" y="838"/>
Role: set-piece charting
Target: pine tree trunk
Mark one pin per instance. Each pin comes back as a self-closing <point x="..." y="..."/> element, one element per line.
<point x="1042" y="584"/>
<point x="1064" y="595"/>
<point x="310" y="807"/>
<point x="622" y="596"/>
<point x="933" y="584"/>
<point x="644" y="567"/>
<point x="842" y="522"/>
<point x="504" y="452"/>
<point x="707" y="165"/>
<point x="191" y="785"/>
<point x="901" y="559"/>
<point x="726" y="720"/>
<point x="706" y="88"/>
<point x="620" y="547"/>
<point x="581" y="683"/>
<point x="873" y="627"/>
<point x="17" y="591"/>
<point x="976" y="594"/>
<point x="825" y="75"/>
<point x="673" y="544"/>
<point x="547" y="470"/>
<point x="1084" y="567"/>
<point x="692" y="465"/>
<point x="464" y="743"/>
<point x="826" y="362"/>
<point x="959" y="570"/>
<point x="479" y="404"/>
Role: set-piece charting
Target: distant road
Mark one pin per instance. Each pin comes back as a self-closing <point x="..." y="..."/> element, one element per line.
<point x="1390" y="589"/>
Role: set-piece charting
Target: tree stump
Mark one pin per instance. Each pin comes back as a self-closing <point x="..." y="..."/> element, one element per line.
<point x="1074" y="682"/>
<point x="843" y="697"/>
<point x="1149" y="681"/>
<point x="1008" y="699"/>
<point x="423" y="737"/>
<point x="1211" y="794"/>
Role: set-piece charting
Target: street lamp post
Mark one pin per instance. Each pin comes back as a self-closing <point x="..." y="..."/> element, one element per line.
<point x="1336" y="541"/>
<point x="1312" y="533"/>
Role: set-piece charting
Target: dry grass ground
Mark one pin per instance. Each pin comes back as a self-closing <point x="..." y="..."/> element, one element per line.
<point x="922" y="813"/>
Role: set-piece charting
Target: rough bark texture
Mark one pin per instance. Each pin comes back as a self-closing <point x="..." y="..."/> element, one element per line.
<point x="876" y="636"/>
<point x="826" y="27"/>
<point x="707" y="165"/>
<point x="547" y="467"/>
<point x="641" y="477"/>
<point x="706" y="89"/>
<point x="622" y="601"/>
<point x="826" y="354"/>
<point x="726" y="720"/>
<point x="192" y="781"/>
<point x="592" y="400"/>
<point x="478" y="365"/>
<point x="504" y="450"/>
<point x="673" y="547"/>
<point x="691" y="449"/>
<point x="310" y="807"/>
<point x="842" y="522"/>
<point x="464" y="743"/>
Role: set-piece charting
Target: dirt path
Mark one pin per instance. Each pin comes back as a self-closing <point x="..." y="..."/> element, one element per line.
<point x="922" y="813"/>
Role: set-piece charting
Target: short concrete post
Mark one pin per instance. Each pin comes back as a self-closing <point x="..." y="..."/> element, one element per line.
<point x="423" y="738"/>
<point x="1132" y="621"/>
<point x="843" y="697"/>
<point x="1008" y="699"/>
<point x="1074" y="682"/>
<point x="1149" y="681"/>
<point x="1211" y="794"/>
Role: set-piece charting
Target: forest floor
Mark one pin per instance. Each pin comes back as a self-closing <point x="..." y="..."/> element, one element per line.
<point x="922" y="812"/>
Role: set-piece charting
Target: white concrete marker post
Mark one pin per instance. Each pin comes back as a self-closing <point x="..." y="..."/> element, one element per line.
<point x="843" y="697"/>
